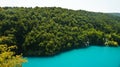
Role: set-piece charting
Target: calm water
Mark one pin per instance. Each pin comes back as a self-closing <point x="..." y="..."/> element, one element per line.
<point x="90" y="57"/>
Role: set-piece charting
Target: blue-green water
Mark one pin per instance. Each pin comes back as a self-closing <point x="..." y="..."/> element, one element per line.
<point x="90" y="57"/>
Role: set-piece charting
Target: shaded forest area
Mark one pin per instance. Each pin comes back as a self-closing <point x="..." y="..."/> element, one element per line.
<point x="115" y="14"/>
<point x="47" y="31"/>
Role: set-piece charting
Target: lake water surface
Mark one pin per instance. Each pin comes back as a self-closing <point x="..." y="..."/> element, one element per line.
<point x="93" y="56"/>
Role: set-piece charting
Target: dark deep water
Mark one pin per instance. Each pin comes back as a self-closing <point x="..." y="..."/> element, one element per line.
<point x="93" y="56"/>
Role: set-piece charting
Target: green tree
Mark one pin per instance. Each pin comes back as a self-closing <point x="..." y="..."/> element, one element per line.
<point x="8" y="57"/>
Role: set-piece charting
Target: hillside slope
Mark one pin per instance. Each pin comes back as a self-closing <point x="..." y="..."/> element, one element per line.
<point x="49" y="30"/>
<point x="115" y="14"/>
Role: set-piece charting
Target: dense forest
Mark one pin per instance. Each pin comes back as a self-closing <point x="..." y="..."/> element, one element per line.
<point x="115" y="14"/>
<point x="47" y="31"/>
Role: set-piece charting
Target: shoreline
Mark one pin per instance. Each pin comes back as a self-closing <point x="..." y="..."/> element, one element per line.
<point x="45" y="56"/>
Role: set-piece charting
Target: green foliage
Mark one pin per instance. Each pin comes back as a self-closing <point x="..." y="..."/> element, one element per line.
<point x="7" y="57"/>
<point x="49" y="30"/>
<point x="111" y="43"/>
<point x="115" y="14"/>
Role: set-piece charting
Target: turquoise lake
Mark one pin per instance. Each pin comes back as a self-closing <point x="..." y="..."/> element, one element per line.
<point x="93" y="56"/>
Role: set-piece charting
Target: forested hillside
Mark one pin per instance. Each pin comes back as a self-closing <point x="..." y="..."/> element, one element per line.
<point x="47" y="31"/>
<point x="115" y="14"/>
